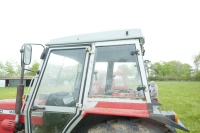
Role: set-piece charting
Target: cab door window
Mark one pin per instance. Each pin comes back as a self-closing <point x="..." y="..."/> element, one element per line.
<point x="58" y="92"/>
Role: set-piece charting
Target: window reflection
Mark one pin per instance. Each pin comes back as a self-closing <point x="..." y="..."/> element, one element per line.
<point x="116" y="72"/>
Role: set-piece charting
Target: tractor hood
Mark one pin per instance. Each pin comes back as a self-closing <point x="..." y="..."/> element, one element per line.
<point x="8" y="104"/>
<point x="7" y="116"/>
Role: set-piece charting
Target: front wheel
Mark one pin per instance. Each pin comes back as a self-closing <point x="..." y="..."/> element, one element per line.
<point x="129" y="126"/>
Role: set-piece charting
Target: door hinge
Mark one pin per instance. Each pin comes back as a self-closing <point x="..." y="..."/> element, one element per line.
<point x="80" y="106"/>
<point x="91" y="49"/>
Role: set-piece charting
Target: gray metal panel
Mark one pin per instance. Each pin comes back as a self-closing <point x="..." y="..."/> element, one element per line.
<point x="165" y="120"/>
<point x="100" y="36"/>
<point x="15" y="82"/>
<point x="155" y="103"/>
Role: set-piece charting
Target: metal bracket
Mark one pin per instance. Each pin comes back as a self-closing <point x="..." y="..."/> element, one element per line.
<point x="80" y="106"/>
<point x="91" y="49"/>
<point x="135" y="52"/>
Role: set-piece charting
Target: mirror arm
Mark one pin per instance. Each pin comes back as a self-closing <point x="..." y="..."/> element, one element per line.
<point x="29" y="70"/>
<point x="36" y="44"/>
<point x="38" y="71"/>
<point x="20" y="92"/>
<point x="20" y="88"/>
<point x="33" y="44"/>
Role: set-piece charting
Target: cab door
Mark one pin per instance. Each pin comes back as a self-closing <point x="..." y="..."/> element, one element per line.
<point x="54" y="100"/>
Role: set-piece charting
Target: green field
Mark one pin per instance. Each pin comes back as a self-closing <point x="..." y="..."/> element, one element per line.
<point x="181" y="97"/>
<point x="184" y="99"/>
<point x="9" y="92"/>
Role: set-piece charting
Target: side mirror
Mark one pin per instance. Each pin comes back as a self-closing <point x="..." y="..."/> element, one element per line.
<point x="26" y="54"/>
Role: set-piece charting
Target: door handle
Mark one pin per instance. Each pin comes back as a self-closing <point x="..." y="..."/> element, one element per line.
<point x="37" y="107"/>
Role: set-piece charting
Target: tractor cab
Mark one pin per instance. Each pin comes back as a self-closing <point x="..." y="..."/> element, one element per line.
<point x="86" y="80"/>
<point x="76" y="74"/>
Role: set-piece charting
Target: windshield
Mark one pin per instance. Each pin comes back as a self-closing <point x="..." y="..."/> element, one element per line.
<point x="63" y="73"/>
<point x="116" y="73"/>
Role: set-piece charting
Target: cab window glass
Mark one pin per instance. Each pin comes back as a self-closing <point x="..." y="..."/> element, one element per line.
<point x="116" y="72"/>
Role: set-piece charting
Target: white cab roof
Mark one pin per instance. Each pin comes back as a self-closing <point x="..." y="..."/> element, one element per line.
<point x="100" y="37"/>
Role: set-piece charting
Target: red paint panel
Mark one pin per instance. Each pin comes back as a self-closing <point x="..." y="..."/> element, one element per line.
<point x="117" y="112"/>
<point x="36" y="120"/>
<point x="10" y="117"/>
<point x="3" y="130"/>
<point x="8" y="125"/>
<point x="135" y="106"/>
<point x="7" y="104"/>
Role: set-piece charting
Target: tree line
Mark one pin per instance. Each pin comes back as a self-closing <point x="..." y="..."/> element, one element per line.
<point x="173" y="70"/>
<point x="11" y="68"/>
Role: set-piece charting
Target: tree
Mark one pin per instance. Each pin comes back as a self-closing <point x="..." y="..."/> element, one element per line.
<point x="10" y="68"/>
<point x="18" y="70"/>
<point x="172" y="70"/>
<point x="197" y="61"/>
<point x="197" y="66"/>
<point x="125" y="69"/>
<point x="33" y="69"/>
<point x="157" y="69"/>
<point x="1" y="69"/>
<point x="147" y="64"/>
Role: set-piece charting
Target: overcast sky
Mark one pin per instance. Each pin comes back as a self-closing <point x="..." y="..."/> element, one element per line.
<point x="171" y="27"/>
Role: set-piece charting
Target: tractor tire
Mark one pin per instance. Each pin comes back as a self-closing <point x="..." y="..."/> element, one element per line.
<point x="129" y="126"/>
<point x="123" y="126"/>
<point x="101" y="128"/>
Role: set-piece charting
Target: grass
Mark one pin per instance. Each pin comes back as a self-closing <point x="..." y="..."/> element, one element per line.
<point x="184" y="99"/>
<point x="181" y="97"/>
<point x="9" y="92"/>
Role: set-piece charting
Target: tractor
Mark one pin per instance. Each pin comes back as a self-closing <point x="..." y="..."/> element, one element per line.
<point x="90" y="83"/>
